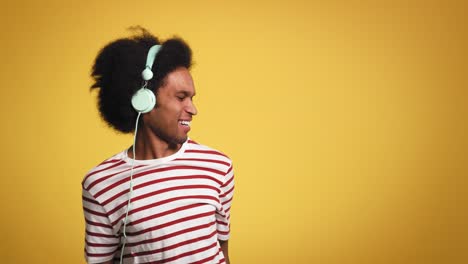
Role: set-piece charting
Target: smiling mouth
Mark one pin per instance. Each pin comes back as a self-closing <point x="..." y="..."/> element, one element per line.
<point x="185" y="123"/>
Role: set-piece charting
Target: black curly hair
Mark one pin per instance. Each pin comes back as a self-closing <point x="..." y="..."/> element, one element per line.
<point x="117" y="73"/>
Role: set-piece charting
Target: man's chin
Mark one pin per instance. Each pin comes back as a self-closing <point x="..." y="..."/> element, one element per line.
<point x="182" y="140"/>
<point x="178" y="140"/>
<point x="174" y="140"/>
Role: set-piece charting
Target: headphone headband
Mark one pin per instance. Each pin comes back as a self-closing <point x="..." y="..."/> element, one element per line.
<point x="147" y="73"/>
<point x="152" y="55"/>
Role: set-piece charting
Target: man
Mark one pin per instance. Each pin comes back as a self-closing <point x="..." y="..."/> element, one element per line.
<point x="167" y="198"/>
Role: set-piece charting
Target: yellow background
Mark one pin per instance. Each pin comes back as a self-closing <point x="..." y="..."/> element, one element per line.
<point x="346" y="121"/>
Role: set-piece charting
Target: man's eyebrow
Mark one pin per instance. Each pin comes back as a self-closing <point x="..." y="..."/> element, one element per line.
<point x="185" y="93"/>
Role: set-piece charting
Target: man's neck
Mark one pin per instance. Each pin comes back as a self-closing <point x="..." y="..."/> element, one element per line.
<point x="150" y="146"/>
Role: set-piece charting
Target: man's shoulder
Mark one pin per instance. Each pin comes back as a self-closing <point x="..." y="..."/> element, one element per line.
<point x="104" y="168"/>
<point x="195" y="147"/>
<point x="199" y="151"/>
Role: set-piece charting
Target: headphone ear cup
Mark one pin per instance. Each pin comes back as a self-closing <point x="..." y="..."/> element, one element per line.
<point x="143" y="100"/>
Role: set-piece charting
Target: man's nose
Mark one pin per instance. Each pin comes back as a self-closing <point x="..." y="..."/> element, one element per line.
<point x="191" y="108"/>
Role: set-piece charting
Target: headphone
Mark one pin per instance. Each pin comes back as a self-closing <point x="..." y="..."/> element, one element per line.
<point x="144" y="99"/>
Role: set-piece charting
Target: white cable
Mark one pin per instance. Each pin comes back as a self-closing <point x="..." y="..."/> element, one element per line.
<point x="130" y="191"/>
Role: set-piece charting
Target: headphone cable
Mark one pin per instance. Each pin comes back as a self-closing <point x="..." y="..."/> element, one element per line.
<point x="130" y="191"/>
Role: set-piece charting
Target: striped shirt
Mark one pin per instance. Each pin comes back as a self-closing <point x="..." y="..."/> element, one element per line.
<point x="180" y="207"/>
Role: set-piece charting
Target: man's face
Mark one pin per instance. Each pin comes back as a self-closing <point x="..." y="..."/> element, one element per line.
<point x="170" y="119"/>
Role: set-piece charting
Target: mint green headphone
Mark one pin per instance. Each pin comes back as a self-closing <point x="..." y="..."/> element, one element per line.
<point x="144" y="99"/>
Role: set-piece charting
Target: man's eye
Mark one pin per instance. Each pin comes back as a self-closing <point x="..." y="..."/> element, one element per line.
<point x="181" y="98"/>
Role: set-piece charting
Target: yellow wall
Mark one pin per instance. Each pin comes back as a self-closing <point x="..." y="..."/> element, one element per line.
<point x="346" y="120"/>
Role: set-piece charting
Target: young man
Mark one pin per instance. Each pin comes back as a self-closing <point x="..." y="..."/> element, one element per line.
<point x="167" y="198"/>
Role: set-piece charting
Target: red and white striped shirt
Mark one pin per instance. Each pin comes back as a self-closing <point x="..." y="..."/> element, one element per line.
<point x="179" y="210"/>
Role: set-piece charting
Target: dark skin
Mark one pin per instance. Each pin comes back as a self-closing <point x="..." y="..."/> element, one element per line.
<point x="224" y="247"/>
<point x="161" y="134"/>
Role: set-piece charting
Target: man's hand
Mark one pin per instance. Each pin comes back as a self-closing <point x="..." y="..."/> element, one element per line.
<point x="224" y="248"/>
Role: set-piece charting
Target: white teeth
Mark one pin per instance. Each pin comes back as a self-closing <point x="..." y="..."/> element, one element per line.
<point x="185" y="123"/>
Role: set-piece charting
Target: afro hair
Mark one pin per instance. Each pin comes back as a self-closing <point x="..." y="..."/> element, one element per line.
<point x="117" y="73"/>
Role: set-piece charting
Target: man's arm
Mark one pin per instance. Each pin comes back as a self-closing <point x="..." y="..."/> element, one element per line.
<point x="224" y="248"/>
